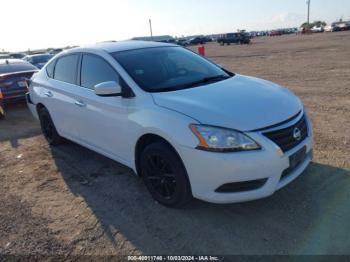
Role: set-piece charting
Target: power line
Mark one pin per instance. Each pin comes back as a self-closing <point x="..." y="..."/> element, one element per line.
<point x="308" y="11"/>
<point x="150" y="28"/>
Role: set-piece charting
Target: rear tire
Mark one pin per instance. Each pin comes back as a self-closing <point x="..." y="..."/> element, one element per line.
<point x="164" y="175"/>
<point x="48" y="128"/>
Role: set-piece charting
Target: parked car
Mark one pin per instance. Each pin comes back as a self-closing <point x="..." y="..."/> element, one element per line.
<point x="17" y="55"/>
<point x="182" y="42"/>
<point x="55" y="51"/>
<point x="196" y="41"/>
<point x="234" y="38"/>
<point x="207" y="39"/>
<point x="38" y="60"/>
<point x="14" y="74"/>
<point x="304" y="31"/>
<point x="186" y="126"/>
<point x="275" y="33"/>
<point x="344" y="26"/>
<point x="332" y="28"/>
<point x="328" y="28"/>
<point x="5" y="56"/>
<point x="317" y="29"/>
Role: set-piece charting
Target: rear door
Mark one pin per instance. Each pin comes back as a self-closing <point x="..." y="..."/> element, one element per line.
<point x="60" y="95"/>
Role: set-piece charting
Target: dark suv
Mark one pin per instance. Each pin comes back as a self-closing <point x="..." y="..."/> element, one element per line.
<point x="234" y="38"/>
<point x="197" y="41"/>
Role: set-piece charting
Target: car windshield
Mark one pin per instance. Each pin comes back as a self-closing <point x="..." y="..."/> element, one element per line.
<point x="164" y="69"/>
<point x="41" y="59"/>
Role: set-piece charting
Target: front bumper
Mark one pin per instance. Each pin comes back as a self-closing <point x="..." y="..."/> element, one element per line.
<point x="14" y="99"/>
<point x="208" y="171"/>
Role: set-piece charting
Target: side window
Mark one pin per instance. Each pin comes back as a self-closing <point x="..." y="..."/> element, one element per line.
<point x="49" y="68"/>
<point x="95" y="70"/>
<point x="66" y="68"/>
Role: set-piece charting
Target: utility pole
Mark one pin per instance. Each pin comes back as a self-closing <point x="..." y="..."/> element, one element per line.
<point x="150" y="28"/>
<point x="308" y="11"/>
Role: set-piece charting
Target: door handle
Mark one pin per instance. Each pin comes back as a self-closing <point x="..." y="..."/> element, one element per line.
<point x="49" y="94"/>
<point x="79" y="103"/>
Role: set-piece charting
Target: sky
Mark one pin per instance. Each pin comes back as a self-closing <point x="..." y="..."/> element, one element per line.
<point x="33" y="24"/>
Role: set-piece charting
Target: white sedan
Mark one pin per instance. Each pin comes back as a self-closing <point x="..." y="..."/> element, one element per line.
<point x="185" y="125"/>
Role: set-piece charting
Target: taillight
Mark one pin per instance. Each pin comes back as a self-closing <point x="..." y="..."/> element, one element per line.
<point x="28" y="81"/>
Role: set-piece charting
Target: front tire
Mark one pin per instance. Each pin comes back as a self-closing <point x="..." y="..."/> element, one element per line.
<point x="164" y="175"/>
<point x="48" y="128"/>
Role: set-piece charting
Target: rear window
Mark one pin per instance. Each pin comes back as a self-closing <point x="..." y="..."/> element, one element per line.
<point x="16" y="67"/>
<point x="66" y="69"/>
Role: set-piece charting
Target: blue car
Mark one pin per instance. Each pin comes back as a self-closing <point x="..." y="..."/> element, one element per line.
<point x="14" y="74"/>
<point x="38" y="60"/>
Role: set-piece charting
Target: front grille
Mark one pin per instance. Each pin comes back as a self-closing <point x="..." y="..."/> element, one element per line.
<point x="284" y="138"/>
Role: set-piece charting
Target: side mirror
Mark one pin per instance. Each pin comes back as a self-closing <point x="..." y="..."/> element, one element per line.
<point x="110" y="88"/>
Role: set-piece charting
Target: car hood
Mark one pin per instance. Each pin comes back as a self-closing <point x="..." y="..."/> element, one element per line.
<point x="241" y="102"/>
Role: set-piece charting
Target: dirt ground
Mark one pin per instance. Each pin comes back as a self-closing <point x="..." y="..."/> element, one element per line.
<point x="69" y="200"/>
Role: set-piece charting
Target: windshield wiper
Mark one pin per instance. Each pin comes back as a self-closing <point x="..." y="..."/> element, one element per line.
<point x="208" y="79"/>
<point x="193" y="84"/>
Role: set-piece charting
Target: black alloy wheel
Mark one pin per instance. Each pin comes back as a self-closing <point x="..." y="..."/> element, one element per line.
<point x="48" y="128"/>
<point x="164" y="175"/>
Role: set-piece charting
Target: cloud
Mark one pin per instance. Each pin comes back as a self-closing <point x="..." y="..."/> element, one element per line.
<point x="280" y="20"/>
<point x="287" y="18"/>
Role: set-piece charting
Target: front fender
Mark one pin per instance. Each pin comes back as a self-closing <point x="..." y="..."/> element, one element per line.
<point x="168" y="124"/>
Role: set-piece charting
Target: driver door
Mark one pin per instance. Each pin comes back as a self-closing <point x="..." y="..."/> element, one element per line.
<point x="104" y="120"/>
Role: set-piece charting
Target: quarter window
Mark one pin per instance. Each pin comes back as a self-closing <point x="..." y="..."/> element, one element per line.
<point x="49" y="69"/>
<point x="66" y="68"/>
<point x="95" y="70"/>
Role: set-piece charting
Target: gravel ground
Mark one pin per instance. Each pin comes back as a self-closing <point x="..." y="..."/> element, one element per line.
<point x="69" y="200"/>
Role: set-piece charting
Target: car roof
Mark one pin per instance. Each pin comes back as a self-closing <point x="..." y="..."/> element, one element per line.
<point x="12" y="61"/>
<point x="111" y="47"/>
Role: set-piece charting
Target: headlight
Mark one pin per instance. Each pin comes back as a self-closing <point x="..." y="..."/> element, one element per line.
<point x="222" y="140"/>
